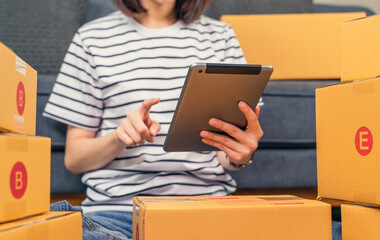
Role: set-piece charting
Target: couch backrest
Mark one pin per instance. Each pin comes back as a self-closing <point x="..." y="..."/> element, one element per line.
<point x="220" y="7"/>
<point x="98" y="8"/>
<point x="40" y="31"/>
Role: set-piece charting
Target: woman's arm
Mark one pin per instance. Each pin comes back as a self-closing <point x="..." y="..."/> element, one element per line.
<point x="85" y="152"/>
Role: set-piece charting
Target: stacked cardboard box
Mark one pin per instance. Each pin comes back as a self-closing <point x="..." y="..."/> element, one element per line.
<point x="46" y="226"/>
<point x="348" y="128"/>
<point x="298" y="46"/>
<point x="232" y="217"/>
<point x="25" y="158"/>
<point x="359" y="222"/>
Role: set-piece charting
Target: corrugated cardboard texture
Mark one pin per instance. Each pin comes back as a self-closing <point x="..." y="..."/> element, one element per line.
<point x="233" y="217"/>
<point x="361" y="49"/>
<point x="47" y="226"/>
<point x="24" y="176"/>
<point x="360" y="223"/>
<point x="348" y="133"/>
<point x="18" y="94"/>
<point x="298" y="46"/>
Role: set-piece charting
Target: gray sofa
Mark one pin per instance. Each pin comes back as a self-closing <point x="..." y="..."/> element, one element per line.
<point x="286" y="156"/>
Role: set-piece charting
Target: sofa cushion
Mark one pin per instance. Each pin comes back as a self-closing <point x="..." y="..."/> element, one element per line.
<point x="279" y="168"/>
<point x="46" y="126"/>
<point x="98" y="8"/>
<point x="62" y="181"/>
<point x="326" y="8"/>
<point x="288" y="115"/>
<point x="219" y="7"/>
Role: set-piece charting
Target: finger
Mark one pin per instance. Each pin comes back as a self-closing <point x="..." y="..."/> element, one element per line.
<point x="226" y="141"/>
<point x="234" y="156"/>
<point x="230" y="129"/>
<point x="122" y="136"/>
<point x="154" y="128"/>
<point x="249" y="138"/>
<point x="147" y="104"/>
<point x="140" y="127"/>
<point x="250" y="115"/>
<point x="131" y="131"/>
<point x="241" y="151"/>
<point x="257" y="111"/>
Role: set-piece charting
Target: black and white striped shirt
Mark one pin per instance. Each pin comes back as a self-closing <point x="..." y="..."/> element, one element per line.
<point x="111" y="66"/>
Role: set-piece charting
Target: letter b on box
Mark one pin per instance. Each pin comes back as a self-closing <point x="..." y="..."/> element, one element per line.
<point x="18" y="180"/>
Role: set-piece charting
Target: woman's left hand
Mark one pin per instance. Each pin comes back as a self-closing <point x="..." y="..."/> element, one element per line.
<point x="242" y="143"/>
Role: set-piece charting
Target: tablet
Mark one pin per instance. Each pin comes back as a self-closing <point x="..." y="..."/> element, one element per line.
<point x="213" y="91"/>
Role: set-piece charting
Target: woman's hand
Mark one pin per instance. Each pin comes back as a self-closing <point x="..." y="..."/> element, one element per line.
<point x="137" y="127"/>
<point x="242" y="143"/>
<point x="85" y="152"/>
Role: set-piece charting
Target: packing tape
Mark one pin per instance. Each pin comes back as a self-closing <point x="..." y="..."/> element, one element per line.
<point x="363" y="87"/>
<point x="14" y="209"/>
<point x="27" y="220"/>
<point x="18" y="124"/>
<point x="42" y="232"/>
<point x="274" y="198"/>
<point x="17" y="144"/>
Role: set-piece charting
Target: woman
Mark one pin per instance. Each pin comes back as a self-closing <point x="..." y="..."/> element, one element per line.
<point x="117" y="91"/>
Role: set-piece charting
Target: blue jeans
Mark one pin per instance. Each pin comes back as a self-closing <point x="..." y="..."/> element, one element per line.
<point x="110" y="225"/>
<point x="118" y="225"/>
<point x="336" y="230"/>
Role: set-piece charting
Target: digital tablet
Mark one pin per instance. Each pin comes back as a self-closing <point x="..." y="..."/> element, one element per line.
<point x="213" y="91"/>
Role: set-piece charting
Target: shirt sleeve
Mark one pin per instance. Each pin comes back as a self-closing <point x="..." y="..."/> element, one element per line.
<point x="76" y="98"/>
<point x="234" y="54"/>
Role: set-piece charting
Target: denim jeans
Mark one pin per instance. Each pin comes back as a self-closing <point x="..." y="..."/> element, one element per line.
<point x="118" y="225"/>
<point x="336" y="230"/>
<point x="110" y="225"/>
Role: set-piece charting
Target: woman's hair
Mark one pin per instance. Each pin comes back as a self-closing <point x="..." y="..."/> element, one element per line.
<point x="185" y="10"/>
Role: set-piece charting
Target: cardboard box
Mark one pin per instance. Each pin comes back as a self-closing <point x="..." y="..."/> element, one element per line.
<point x="348" y="137"/>
<point x="18" y="94"/>
<point x="47" y="226"/>
<point x="24" y="176"/>
<point x="360" y="222"/>
<point x="232" y="217"/>
<point x="361" y="48"/>
<point x="298" y="46"/>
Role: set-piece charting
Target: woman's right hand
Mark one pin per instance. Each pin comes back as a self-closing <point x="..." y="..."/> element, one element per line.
<point x="137" y="127"/>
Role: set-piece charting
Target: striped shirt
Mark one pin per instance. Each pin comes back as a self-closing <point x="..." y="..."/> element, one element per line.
<point x="111" y="66"/>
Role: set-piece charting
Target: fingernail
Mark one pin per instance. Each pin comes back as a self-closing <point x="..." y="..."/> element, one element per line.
<point x="213" y="121"/>
<point x="243" y="105"/>
<point x="204" y="133"/>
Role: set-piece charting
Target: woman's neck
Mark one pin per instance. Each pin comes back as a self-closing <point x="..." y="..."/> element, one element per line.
<point x="158" y="15"/>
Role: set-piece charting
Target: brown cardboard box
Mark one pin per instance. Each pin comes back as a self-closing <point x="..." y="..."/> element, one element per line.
<point x="24" y="176"/>
<point x="18" y="94"/>
<point x="361" y="48"/>
<point x="47" y="226"/>
<point x="348" y="134"/>
<point x="298" y="46"/>
<point x="232" y="217"/>
<point x="360" y="222"/>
